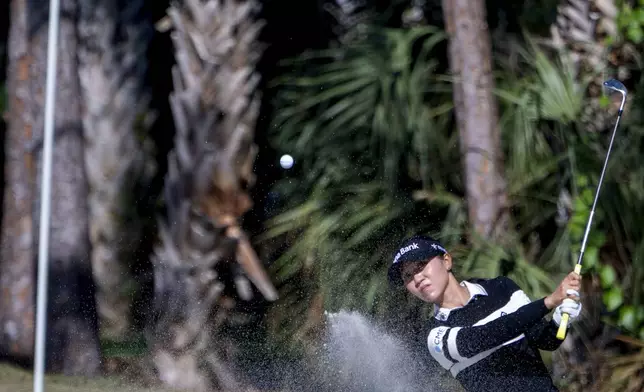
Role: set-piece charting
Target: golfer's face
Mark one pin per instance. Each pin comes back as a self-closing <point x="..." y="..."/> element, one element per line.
<point x="426" y="280"/>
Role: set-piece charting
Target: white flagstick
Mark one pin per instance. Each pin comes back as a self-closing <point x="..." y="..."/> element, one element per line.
<point x="45" y="195"/>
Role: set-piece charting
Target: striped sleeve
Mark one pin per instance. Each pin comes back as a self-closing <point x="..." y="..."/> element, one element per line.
<point x="450" y="346"/>
<point x="438" y="346"/>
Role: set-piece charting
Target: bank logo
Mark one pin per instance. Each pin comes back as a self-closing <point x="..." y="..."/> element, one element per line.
<point x="404" y="250"/>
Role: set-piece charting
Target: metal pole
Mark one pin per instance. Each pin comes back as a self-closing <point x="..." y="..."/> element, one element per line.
<point x="45" y="195"/>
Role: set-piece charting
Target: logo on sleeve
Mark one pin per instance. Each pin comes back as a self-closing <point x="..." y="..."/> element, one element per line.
<point x="438" y="339"/>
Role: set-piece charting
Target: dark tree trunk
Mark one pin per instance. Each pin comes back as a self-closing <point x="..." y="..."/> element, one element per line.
<point x="477" y="115"/>
<point x="17" y="300"/>
<point x="73" y="346"/>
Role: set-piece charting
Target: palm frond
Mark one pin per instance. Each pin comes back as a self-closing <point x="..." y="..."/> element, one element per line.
<point x="368" y="92"/>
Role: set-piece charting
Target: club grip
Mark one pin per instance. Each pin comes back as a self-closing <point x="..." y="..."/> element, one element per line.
<point x="561" y="332"/>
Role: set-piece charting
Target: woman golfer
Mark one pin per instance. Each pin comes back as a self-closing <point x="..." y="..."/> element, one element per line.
<point x="486" y="332"/>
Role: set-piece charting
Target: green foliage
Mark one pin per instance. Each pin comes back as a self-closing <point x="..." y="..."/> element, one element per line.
<point x="577" y="225"/>
<point x="622" y="205"/>
<point x="543" y="103"/>
<point x="363" y="102"/>
<point x="630" y="20"/>
<point x="613" y="295"/>
<point x="617" y="203"/>
<point x="539" y="101"/>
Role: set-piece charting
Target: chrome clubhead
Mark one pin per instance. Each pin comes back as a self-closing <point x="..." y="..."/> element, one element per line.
<point x="616" y="85"/>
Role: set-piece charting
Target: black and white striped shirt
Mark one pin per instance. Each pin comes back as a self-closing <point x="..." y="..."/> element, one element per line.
<point x="492" y="343"/>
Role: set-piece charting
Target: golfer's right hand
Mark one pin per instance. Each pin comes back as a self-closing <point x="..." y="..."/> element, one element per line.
<point x="570" y="306"/>
<point x="569" y="287"/>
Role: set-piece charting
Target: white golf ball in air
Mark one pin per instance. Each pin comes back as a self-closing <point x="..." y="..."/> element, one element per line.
<point x="286" y="161"/>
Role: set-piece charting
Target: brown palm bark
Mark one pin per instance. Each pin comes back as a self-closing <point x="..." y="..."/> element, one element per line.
<point x="72" y="329"/>
<point x="477" y="116"/>
<point x="203" y="248"/>
<point x="112" y="64"/>
<point x="17" y="280"/>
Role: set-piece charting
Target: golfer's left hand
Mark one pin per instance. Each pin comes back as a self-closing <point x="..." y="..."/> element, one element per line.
<point x="570" y="306"/>
<point x="569" y="287"/>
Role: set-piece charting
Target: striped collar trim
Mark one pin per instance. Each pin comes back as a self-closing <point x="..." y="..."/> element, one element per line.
<point x="474" y="290"/>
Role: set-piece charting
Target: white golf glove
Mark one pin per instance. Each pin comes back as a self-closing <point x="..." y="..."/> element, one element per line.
<point x="570" y="306"/>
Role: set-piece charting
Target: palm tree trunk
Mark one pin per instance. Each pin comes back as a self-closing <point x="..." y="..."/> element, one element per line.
<point x="17" y="272"/>
<point x="477" y="116"/>
<point x="112" y="66"/>
<point x="215" y="107"/>
<point x="72" y="338"/>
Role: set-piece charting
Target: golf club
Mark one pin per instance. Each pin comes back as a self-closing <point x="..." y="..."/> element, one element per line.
<point x="614" y="85"/>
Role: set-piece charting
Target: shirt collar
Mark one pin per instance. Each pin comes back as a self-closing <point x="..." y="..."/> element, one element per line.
<point x="474" y="290"/>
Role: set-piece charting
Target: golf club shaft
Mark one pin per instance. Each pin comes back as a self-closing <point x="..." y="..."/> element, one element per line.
<point x="565" y="317"/>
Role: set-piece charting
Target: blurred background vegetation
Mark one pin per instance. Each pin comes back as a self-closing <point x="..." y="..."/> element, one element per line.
<point x="185" y="110"/>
